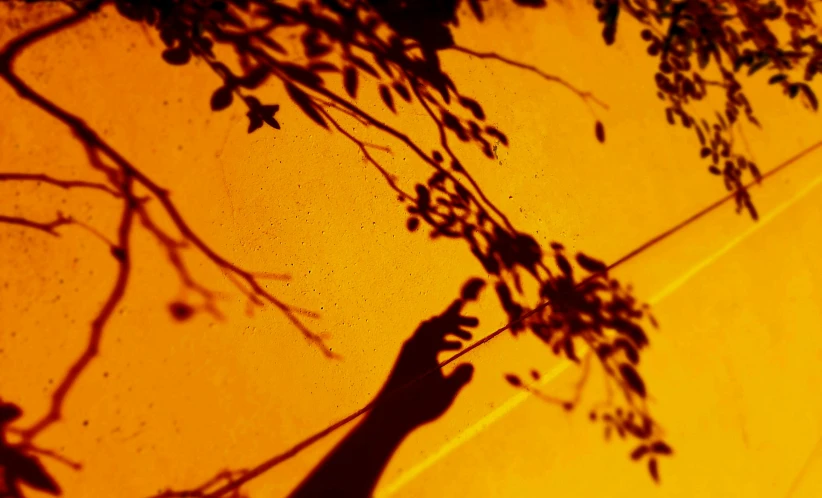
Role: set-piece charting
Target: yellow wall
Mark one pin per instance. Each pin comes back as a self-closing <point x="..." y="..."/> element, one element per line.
<point x="733" y="372"/>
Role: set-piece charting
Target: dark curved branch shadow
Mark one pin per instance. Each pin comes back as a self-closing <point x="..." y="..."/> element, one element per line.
<point x="587" y="97"/>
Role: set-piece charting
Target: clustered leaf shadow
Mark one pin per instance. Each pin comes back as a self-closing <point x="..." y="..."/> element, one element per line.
<point x="703" y="45"/>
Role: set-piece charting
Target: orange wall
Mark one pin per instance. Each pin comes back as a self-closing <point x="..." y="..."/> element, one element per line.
<point x="733" y="372"/>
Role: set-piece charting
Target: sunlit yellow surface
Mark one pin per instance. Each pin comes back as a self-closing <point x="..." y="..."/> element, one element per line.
<point x="734" y="372"/>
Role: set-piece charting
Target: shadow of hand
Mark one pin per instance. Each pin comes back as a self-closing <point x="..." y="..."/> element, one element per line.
<point x="417" y="391"/>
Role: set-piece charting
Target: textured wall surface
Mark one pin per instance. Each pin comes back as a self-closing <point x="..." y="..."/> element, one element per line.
<point x="733" y="371"/>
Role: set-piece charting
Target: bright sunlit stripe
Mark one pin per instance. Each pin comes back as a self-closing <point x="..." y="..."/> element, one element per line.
<point x="673" y="286"/>
<point x="520" y="397"/>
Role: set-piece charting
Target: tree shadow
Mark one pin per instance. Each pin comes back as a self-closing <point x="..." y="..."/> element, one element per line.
<point x="395" y="45"/>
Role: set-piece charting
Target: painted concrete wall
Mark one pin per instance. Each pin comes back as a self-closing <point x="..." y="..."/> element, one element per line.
<point x="733" y="371"/>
